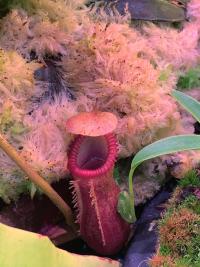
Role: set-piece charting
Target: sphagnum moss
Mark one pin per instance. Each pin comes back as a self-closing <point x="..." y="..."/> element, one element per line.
<point x="179" y="235"/>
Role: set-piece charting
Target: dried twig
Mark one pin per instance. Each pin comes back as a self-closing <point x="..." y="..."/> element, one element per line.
<point x="39" y="181"/>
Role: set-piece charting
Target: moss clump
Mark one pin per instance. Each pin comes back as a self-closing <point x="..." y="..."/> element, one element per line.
<point x="192" y="203"/>
<point x="161" y="261"/>
<point x="190" y="179"/>
<point x="13" y="183"/>
<point x="179" y="236"/>
<point x="9" y="124"/>
<point x="178" y="230"/>
<point x="190" y="79"/>
<point x="165" y="250"/>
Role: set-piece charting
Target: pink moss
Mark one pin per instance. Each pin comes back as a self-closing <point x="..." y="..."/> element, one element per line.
<point x="193" y="10"/>
<point x="177" y="48"/>
<point x="114" y="67"/>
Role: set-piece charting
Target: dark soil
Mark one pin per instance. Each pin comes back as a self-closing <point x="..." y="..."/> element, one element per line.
<point x="41" y="216"/>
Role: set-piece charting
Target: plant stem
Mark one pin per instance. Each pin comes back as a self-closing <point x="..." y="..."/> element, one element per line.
<point x="131" y="192"/>
<point x="39" y="181"/>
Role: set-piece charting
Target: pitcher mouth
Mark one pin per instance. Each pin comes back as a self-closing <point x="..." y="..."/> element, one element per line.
<point x="90" y="157"/>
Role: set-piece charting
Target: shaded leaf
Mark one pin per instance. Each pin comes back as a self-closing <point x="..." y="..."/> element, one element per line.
<point x="189" y="103"/>
<point x="125" y="208"/>
<point x="21" y="249"/>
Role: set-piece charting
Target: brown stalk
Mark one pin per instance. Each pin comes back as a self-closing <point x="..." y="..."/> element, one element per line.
<point x="39" y="181"/>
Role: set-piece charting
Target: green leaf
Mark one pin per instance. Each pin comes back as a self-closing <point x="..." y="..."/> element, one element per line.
<point x="125" y="208"/>
<point x="25" y="249"/>
<point x="166" y="146"/>
<point x="162" y="147"/>
<point x="189" y="103"/>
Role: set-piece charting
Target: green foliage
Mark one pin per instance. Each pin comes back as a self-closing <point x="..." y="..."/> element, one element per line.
<point x="191" y="203"/>
<point x="18" y="128"/>
<point x="190" y="79"/>
<point x="117" y="175"/>
<point x="193" y="250"/>
<point x="179" y="231"/>
<point x="189" y="103"/>
<point x="12" y="184"/>
<point x="21" y="248"/>
<point x="162" y="147"/>
<point x="165" y="146"/>
<point x="167" y="215"/>
<point x="165" y="250"/>
<point x="8" y="123"/>
<point x="6" y="6"/>
<point x="190" y="179"/>
<point x="187" y="247"/>
<point x="124" y="207"/>
<point x="182" y="262"/>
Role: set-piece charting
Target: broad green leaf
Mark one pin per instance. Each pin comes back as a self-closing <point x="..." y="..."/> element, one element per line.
<point x="125" y="208"/>
<point x="189" y="103"/>
<point x="20" y="248"/>
<point x="162" y="147"/>
<point x="166" y="146"/>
